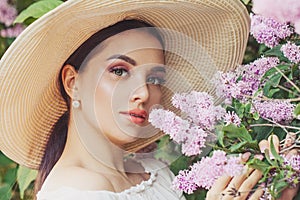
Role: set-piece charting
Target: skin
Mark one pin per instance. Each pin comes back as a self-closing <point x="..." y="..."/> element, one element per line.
<point x="245" y="182"/>
<point x="107" y="86"/>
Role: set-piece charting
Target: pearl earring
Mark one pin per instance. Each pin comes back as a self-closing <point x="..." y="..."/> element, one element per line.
<point x="75" y="104"/>
<point x="75" y="101"/>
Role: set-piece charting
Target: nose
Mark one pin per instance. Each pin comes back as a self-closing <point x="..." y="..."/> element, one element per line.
<point x="141" y="94"/>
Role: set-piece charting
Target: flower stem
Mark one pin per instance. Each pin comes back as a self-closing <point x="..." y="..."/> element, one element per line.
<point x="275" y="125"/>
<point x="291" y="82"/>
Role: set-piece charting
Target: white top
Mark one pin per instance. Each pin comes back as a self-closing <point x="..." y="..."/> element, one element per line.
<point x="158" y="186"/>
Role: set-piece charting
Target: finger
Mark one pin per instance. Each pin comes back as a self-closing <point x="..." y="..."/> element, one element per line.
<point x="237" y="181"/>
<point x="218" y="187"/>
<point x="291" y="153"/>
<point x="289" y="193"/>
<point x="257" y="194"/>
<point x="249" y="183"/>
<point x="245" y="156"/>
<point x="221" y="183"/>
<point x="263" y="145"/>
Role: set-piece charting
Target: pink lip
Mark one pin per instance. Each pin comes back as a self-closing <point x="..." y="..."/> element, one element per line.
<point x="137" y="116"/>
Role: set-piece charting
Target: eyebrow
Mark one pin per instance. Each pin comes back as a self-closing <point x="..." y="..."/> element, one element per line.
<point x="123" y="57"/>
<point x="158" y="69"/>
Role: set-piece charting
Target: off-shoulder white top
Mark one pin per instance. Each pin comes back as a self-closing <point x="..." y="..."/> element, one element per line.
<point x="157" y="187"/>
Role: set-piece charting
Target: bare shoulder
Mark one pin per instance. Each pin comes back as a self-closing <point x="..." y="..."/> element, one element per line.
<point x="78" y="178"/>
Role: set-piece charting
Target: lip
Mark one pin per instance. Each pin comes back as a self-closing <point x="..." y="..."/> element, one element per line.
<point x="136" y="116"/>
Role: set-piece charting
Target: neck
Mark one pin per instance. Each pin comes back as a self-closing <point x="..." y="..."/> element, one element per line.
<point x="87" y="148"/>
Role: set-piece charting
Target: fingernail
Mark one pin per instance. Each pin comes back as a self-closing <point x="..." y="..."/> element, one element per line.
<point x="262" y="149"/>
<point x="246" y="156"/>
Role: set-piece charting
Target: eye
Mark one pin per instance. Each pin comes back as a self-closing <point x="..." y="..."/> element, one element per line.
<point x="155" y="80"/>
<point x="119" y="71"/>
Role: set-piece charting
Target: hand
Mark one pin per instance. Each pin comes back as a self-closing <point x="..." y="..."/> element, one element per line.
<point x="289" y="193"/>
<point x="238" y="187"/>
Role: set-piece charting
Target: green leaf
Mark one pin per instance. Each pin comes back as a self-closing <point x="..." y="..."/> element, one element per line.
<point x="10" y="176"/>
<point x="179" y="164"/>
<point x="25" y="176"/>
<point x="297" y="110"/>
<point x="273" y="151"/>
<point x="273" y="70"/>
<point x="258" y="164"/>
<point x="244" y="146"/>
<point x="275" y="79"/>
<point x="267" y="156"/>
<point x="37" y="9"/>
<point x="5" y="192"/>
<point x="234" y="132"/>
<point x="4" y="161"/>
<point x="275" y="51"/>
<point x="256" y="115"/>
<point x="220" y="135"/>
<point x="273" y="91"/>
<point x="246" y="2"/>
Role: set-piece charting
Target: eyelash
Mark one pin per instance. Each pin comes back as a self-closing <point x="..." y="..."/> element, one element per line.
<point x="120" y="72"/>
<point x="116" y="70"/>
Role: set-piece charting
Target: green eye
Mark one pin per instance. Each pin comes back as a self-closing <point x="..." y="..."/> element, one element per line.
<point x="156" y="80"/>
<point x="119" y="71"/>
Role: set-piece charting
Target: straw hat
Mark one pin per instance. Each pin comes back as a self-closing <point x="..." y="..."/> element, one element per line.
<point x="30" y="101"/>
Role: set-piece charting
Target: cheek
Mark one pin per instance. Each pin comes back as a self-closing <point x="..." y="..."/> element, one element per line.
<point x="155" y="95"/>
<point x="103" y="100"/>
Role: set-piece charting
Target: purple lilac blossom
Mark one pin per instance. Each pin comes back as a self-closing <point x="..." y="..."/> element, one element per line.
<point x="245" y="81"/>
<point x="12" y="32"/>
<point x="7" y="13"/>
<point x="287" y="11"/>
<point x="225" y="84"/>
<point x="171" y="124"/>
<point x="291" y="51"/>
<point x="195" y="141"/>
<point x="268" y="31"/>
<point x="199" y="106"/>
<point x="276" y="110"/>
<point x="184" y="181"/>
<point x="191" y="136"/>
<point x="293" y="161"/>
<point x="232" y="118"/>
<point x="205" y="172"/>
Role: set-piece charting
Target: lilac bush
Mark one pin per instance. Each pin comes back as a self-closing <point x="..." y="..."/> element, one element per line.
<point x="261" y="98"/>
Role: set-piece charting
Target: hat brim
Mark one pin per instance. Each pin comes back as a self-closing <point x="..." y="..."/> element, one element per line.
<point x="29" y="96"/>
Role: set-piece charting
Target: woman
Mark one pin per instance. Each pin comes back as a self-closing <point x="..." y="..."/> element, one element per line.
<point x="76" y="88"/>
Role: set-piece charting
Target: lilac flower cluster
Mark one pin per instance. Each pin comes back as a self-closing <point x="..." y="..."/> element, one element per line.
<point x="287" y="11"/>
<point x="12" y="32"/>
<point x="191" y="137"/>
<point x="199" y="106"/>
<point x="245" y="81"/>
<point x="292" y="176"/>
<point x="280" y="111"/>
<point x="204" y="173"/>
<point x="201" y="118"/>
<point x="268" y="31"/>
<point x="293" y="161"/>
<point x="8" y="13"/>
<point x="291" y="51"/>
<point x="232" y="118"/>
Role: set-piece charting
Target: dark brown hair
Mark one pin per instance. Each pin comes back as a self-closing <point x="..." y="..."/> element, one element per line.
<point x="58" y="136"/>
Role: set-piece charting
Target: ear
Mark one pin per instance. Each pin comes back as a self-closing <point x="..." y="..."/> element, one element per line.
<point x="69" y="75"/>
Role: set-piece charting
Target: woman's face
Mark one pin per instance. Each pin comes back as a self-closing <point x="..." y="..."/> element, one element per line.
<point x="120" y="81"/>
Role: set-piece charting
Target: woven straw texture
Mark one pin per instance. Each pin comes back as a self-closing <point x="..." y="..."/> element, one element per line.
<point x="212" y="35"/>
